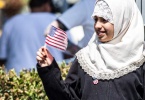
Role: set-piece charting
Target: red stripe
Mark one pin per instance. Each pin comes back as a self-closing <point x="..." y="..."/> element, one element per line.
<point x="64" y="34"/>
<point x="51" y="38"/>
<point x="48" y="37"/>
<point x="54" y="46"/>
<point x="60" y="35"/>
<point x="60" y="30"/>
<point x="60" y="38"/>
<point x="55" y="43"/>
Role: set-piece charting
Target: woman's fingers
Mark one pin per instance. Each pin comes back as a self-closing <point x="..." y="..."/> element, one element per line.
<point x="41" y="50"/>
<point x="39" y="58"/>
<point x="40" y="54"/>
<point x="44" y="58"/>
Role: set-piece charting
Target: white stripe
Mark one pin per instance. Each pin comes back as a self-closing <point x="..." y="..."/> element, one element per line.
<point x="58" y="46"/>
<point x="53" y="39"/>
<point x="57" y="43"/>
<point x="61" y="32"/>
<point x="57" y="33"/>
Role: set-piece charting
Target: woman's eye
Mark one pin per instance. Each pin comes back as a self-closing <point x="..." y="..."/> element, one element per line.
<point x="103" y="20"/>
<point x="95" y="19"/>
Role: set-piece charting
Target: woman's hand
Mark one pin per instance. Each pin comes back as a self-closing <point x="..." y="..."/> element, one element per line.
<point x="44" y="58"/>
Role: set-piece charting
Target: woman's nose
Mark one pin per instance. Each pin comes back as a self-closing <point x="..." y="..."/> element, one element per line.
<point x="98" y="25"/>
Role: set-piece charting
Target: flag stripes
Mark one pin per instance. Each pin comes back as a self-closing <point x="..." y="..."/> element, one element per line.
<point x="53" y="39"/>
<point x="55" y="45"/>
<point x="57" y="38"/>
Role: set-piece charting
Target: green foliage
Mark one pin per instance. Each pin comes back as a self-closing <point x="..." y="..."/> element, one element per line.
<point x="26" y="86"/>
<point x="64" y="68"/>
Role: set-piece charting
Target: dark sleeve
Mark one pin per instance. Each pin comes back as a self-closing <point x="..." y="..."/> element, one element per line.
<point x="2" y="62"/>
<point x="144" y="81"/>
<point x="55" y="87"/>
<point x="61" y="25"/>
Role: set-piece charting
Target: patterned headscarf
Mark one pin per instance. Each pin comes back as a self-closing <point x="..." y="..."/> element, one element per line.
<point x="102" y="10"/>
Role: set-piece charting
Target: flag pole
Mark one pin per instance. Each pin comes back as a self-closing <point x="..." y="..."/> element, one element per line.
<point x="45" y="45"/>
<point x="48" y="28"/>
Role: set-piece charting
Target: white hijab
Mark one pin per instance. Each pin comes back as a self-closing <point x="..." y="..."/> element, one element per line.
<point x="124" y="53"/>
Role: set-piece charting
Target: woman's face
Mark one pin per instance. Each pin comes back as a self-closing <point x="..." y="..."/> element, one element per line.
<point x="104" y="29"/>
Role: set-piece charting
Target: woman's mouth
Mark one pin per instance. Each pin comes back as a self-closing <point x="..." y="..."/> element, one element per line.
<point x="100" y="33"/>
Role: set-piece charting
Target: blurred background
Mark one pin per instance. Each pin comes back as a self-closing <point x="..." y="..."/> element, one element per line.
<point x="14" y="5"/>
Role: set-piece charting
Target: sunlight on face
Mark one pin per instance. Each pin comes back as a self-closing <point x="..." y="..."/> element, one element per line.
<point x="104" y="29"/>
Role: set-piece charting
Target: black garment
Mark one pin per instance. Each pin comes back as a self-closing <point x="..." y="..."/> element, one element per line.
<point x="79" y="85"/>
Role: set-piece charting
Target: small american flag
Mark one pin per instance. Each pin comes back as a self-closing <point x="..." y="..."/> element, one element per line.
<point x="57" y="38"/>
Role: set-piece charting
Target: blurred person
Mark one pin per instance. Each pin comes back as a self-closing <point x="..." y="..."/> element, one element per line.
<point x="23" y="34"/>
<point x="11" y="8"/>
<point x="60" y="5"/>
<point x="78" y="14"/>
<point x="2" y="4"/>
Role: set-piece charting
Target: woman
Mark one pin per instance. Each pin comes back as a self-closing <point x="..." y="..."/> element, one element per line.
<point x="111" y="67"/>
